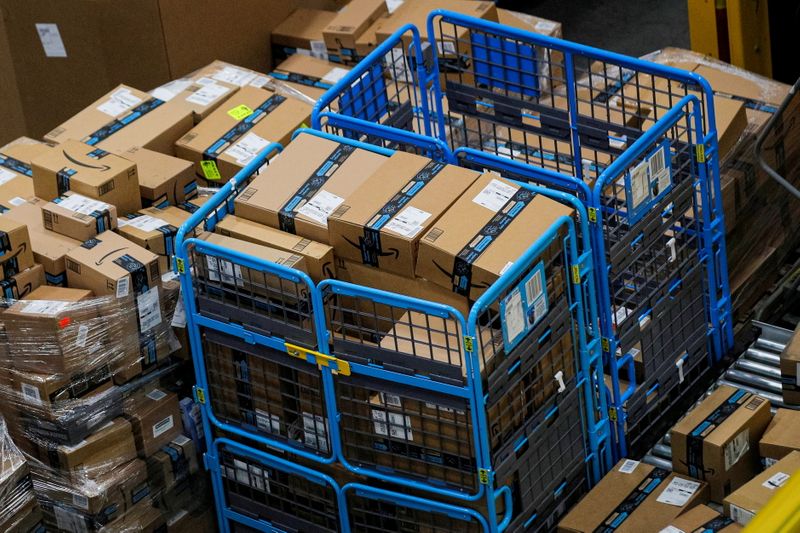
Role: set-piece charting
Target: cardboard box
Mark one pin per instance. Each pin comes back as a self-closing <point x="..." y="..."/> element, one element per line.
<point x="49" y="390"/>
<point x="155" y="230"/>
<point x="21" y="284"/>
<point x="235" y="133"/>
<point x="381" y="222"/>
<point x="15" y="192"/>
<point x="86" y="170"/>
<point x="790" y="370"/>
<point x="197" y="93"/>
<point x="702" y="518"/>
<point x="781" y="437"/>
<point x="163" y="180"/>
<point x="78" y="216"/>
<point x="319" y="257"/>
<point x="101" y="452"/>
<point x="717" y="441"/>
<point x="173" y="463"/>
<point x="301" y="33"/>
<point x="634" y="497"/>
<point x="142" y="517"/>
<point x="124" y="118"/>
<point x="350" y="23"/>
<point x="15" y="248"/>
<point x="742" y="504"/>
<point x="15" y="170"/>
<point x="289" y="194"/>
<point x="454" y="252"/>
<point x="308" y="75"/>
<point x="155" y="419"/>
<point x="367" y="41"/>
<point x="49" y="248"/>
<point x="228" y="73"/>
<point x="111" y="265"/>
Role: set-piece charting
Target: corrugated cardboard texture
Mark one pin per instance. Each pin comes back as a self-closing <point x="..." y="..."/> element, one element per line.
<point x="752" y="496"/>
<point x="351" y="21"/>
<point x="703" y="518"/>
<point x="311" y="68"/>
<point x="782" y="436"/>
<point x="18" y="256"/>
<point x="162" y="178"/>
<point x="301" y="27"/>
<point x="78" y="225"/>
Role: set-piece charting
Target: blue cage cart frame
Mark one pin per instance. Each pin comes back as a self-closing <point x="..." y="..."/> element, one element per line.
<point x="634" y="141"/>
<point x="299" y="377"/>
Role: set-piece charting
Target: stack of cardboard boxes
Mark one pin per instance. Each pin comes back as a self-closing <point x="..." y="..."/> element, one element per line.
<point x="19" y="510"/>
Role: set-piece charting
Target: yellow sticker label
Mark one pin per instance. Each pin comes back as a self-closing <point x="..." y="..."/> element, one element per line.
<point x="210" y="170"/>
<point x="240" y="112"/>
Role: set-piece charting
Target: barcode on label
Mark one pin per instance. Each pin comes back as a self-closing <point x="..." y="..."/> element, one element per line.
<point x="123" y="287"/>
<point x="776" y="481"/>
<point x="657" y="162"/>
<point x="391" y="399"/>
<point x="741" y="516"/>
<point x="31" y="393"/>
<point x="80" y="501"/>
<point x="533" y="287"/>
<point x="628" y="466"/>
<point x="161" y="427"/>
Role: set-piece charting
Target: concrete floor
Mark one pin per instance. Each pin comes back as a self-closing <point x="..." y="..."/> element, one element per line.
<point x="633" y="27"/>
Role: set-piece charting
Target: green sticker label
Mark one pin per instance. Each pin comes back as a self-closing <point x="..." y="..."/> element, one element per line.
<point x="240" y="112"/>
<point x="210" y="170"/>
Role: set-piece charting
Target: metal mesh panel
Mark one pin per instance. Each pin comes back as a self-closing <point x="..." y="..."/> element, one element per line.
<point x="379" y="516"/>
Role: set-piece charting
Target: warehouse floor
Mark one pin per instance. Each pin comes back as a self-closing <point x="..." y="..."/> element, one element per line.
<point x="633" y="27"/>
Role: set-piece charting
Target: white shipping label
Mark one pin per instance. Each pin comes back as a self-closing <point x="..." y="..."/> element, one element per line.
<point x="392" y="5"/>
<point x="123" y="287"/>
<point x="149" y="310"/>
<point x="315" y="431"/>
<point x="80" y="501"/>
<point x="204" y="81"/>
<point x="737" y="448"/>
<point x="319" y="50"/>
<point x="321" y="206"/>
<point x="247" y="148"/>
<point x="268" y="422"/>
<point x="145" y="223"/>
<point x="241" y="472"/>
<point x="161" y="427"/>
<point x="83" y="334"/>
<point x="514" y="315"/>
<point x="495" y="195"/>
<point x="392" y="400"/>
<point x="629" y="466"/>
<point x="156" y="395"/>
<point x="678" y="492"/>
<point x="69" y="521"/>
<point x="6" y="176"/>
<point x="671" y="529"/>
<point x="16" y="201"/>
<point x="181" y="440"/>
<point x="51" y="40"/>
<point x="741" y="516"/>
<point x="259" y="81"/>
<point x="179" y="317"/>
<point x="334" y="75"/>
<point x="234" y="76"/>
<point x="119" y="102"/>
<point x="31" y="393"/>
<point x="408" y="222"/>
<point x="640" y="185"/>
<point x="83" y="205"/>
<point x="776" y="481"/>
<point x="207" y="94"/>
<point x="170" y="90"/>
<point x="44" y="307"/>
<point x="392" y="425"/>
<point x="398" y="66"/>
<point x="224" y="271"/>
<point x="545" y="26"/>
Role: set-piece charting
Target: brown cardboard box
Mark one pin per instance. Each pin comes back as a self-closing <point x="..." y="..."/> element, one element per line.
<point x="206" y="144"/>
<point x="78" y="216"/>
<point x="491" y="200"/>
<point x="51" y="389"/>
<point x="124" y="118"/>
<point x="742" y="504"/>
<point x="301" y="32"/>
<point x="729" y="424"/>
<point x="308" y="75"/>
<point x="21" y="284"/>
<point x="49" y="248"/>
<point x="790" y="370"/>
<point x="622" y="490"/>
<point x="155" y="418"/>
<point x="367" y="41"/>
<point x="198" y="93"/>
<point x="154" y="229"/>
<point x="350" y="23"/>
<point x="15" y="170"/>
<point x="101" y="452"/>
<point x="168" y="467"/>
<point x="227" y="73"/>
<point x="78" y="167"/>
<point x="142" y="517"/>
<point x="781" y="437"/>
<point x="287" y="182"/>
<point x="163" y="179"/>
<point x="14" y="192"/>
<point x="700" y="519"/>
<point x="15" y="248"/>
<point x="319" y="257"/>
<point x="403" y="198"/>
<point x="112" y="265"/>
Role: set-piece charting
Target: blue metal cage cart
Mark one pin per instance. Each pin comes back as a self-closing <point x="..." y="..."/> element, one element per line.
<point x="351" y="408"/>
<point x="634" y="141"/>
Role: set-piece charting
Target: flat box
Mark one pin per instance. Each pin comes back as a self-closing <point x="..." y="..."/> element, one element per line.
<point x="163" y="179"/>
<point x="308" y="75"/>
<point x="197" y="93"/>
<point x="21" y="284"/>
<point x="104" y="450"/>
<point x="258" y="116"/>
<point x="155" y="418"/>
<point x="123" y="118"/>
<point x="319" y="257"/>
<point x="742" y="504"/>
<point x="634" y="488"/>
<point x="462" y="239"/>
<point x="352" y="21"/>
<point x="49" y="248"/>
<point x="155" y="229"/>
<point x="291" y="184"/>
<point x="790" y="370"/>
<point x="702" y="519"/>
<point x="15" y="247"/>
<point x="142" y="518"/>
<point x="90" y="171"/>
<point x="302" y="30"/>
<point x="781" y="437"/>
<point x="382" y="222"/>
<point x="717" y="441"/>
<point x="56" y="331"/>
<point x="78" y="217"/>
<point x="111" y="265"/>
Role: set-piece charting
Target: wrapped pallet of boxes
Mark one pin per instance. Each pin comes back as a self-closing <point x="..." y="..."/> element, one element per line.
<point x="19" y="510"/>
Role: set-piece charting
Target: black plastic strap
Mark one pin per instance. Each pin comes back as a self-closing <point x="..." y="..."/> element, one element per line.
<point x="715" y="524"/>
<point x="15" y="164"/>
<point x="301" y="79"/>
<point x="312" y="185"/>
<point x="63" y="178"/>
<point x="169" y="231"/>
<point x="621" y="513"/>
<point x="242" y="127"/>
<point x="118" y="123"/>
<point x="137" y="271"/>
<point x="694" y="441"/>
